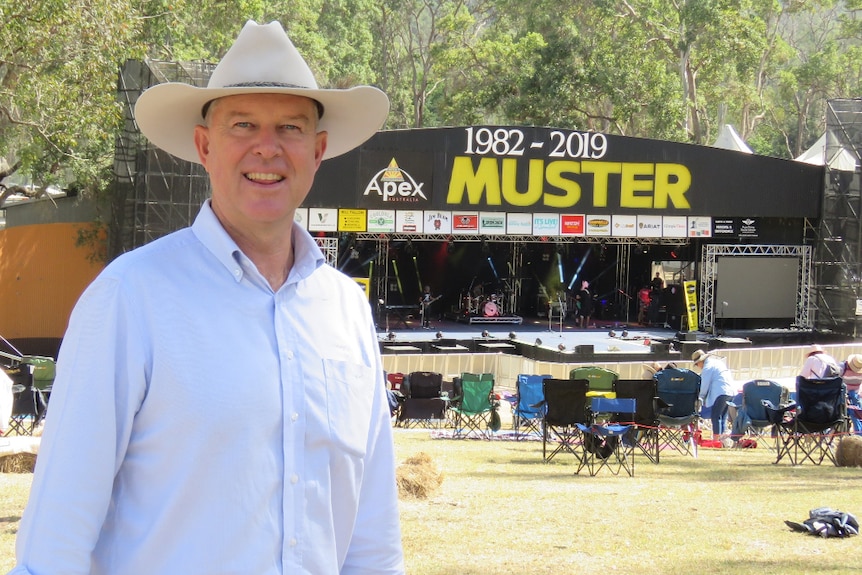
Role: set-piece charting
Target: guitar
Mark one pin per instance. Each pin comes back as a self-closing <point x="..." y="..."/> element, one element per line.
<point x="424" y="304"/>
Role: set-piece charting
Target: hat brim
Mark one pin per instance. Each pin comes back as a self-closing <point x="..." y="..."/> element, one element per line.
<point x="168" y="113"/>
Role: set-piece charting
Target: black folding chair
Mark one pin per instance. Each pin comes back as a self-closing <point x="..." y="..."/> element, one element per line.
<point x="565" y="407"/>
<point x="809" y="425"/>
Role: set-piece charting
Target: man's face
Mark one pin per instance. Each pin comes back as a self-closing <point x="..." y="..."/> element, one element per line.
<point x="261" y="152"/>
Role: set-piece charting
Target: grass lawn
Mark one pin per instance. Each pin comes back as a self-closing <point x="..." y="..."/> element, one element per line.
<point x="500" y="509"/>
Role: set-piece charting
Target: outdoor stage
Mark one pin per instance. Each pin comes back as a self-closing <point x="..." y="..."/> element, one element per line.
<point x="555" y="340"/>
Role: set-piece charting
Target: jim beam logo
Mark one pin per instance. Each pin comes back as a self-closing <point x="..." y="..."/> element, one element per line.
<point x="393" y="184"/>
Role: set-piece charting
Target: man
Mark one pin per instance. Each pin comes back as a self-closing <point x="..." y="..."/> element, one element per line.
<point x="716" y="389"/>
<point x="819" y="365"/>
<point x="219" y="404"/>
<point x="584" y="304"/>
<point x="426" y="300"/>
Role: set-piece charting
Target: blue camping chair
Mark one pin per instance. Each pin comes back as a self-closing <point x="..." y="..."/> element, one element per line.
<point x="678" y="419"/>
<point x="751" y="418"/>
<point x="528" y="405"/>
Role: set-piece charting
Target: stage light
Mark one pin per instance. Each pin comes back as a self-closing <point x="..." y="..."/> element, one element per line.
<point x="439" y="335"/>
<point x="391" y="336"/>
<point x="612" y="333"/>
<point x="561" y="347"/>
<point x="485" y="333"/>
<point x="538" y="341"/>
<point x="625" y="333"/>
<point x="512" y="335"/>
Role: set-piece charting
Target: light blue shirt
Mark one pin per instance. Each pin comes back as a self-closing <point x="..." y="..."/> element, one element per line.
<point x="201" y="423"/>
<point x="715" y="379"/>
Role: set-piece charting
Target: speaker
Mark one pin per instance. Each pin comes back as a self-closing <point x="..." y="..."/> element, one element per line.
<point x="584" y="349"/>
<point x="689" y="347"/>
<point x="659" y="347"/>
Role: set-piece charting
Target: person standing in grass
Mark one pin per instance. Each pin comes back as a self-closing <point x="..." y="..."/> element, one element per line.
<point x="219" y="405"/>
<point x="716" y="389"/>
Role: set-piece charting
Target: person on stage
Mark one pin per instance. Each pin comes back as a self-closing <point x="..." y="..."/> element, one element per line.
<point x="584" y="304"/>
<point x="425" y="302"/>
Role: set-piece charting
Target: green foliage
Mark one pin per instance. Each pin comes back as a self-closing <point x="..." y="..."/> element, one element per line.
<point x="669" y="69"/>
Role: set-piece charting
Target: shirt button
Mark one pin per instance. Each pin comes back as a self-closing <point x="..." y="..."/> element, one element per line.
<point x="237" y="272"/>
<point x="292" y="542"/>
<point x="289" y="355"/>
<point x="294" y="479"/>
<point x="294" y="416"/>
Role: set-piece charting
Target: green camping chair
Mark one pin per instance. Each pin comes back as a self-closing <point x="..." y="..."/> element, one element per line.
<point x="601" y="380"/>
<point x="475" y="408"/>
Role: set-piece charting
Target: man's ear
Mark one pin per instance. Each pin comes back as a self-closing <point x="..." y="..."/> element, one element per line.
<point x="202" y="143"/>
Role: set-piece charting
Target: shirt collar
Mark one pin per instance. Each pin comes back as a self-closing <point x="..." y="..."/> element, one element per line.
<point x="210" y="232"/>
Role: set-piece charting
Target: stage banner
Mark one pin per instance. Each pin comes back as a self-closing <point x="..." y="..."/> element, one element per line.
<point x="691" y="304"/>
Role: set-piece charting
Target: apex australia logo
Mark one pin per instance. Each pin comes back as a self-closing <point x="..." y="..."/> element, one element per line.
<point x="393" y="184"/>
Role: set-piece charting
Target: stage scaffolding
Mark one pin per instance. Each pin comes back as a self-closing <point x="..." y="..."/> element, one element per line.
<point x="155" y="193"/>
<point x="709" y="276"/>
<point x="838" y="238"/>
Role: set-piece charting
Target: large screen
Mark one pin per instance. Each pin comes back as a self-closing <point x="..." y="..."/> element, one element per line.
<point x="756" y="287"/>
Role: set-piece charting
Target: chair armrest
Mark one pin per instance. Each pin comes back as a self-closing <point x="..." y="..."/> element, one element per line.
<point x="777" y="413"/>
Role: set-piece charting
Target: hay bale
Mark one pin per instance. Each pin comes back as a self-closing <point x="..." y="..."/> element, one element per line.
<point x="849" y="451"/>
<point x="418" y="477"/>
<point x="18" y="463"/>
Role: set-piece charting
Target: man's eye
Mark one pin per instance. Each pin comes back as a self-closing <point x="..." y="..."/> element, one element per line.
<point x="243" y="124"/>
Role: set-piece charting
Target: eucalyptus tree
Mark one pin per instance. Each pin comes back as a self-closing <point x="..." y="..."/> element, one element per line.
<point x="58" y="71"/>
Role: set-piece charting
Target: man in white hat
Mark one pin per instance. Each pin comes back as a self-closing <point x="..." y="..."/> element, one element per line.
<point x="819" y="364"/>
<point x="219" y="405"/>
<point x="716" y="389"/>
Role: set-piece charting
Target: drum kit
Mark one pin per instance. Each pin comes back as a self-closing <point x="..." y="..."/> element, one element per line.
<point x="481" y="305"/>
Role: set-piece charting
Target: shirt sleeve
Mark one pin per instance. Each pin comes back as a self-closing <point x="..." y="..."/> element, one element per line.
<point x="98" y="388"/>
<point x="375" y="546"/>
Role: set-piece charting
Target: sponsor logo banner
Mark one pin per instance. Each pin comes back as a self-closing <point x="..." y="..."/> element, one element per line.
<point x="598" y="225"/>
<point x="408" y="221"/>
<point x="381" y="221"/>
<point x="322" y="219"/>
<point x="352" y="220"/>
<point x="438" y="222"/>
<point x="624" y="226"/>
<point x="649" y="227"/>
<point x="519" y="224"/>
<point x="699" y="227"/>
<point x="546" y="224"/>
<point x="674" y="226"/>
<point x="465" y="223"/>
<point x="300" y="218"/>
<point x="573" y="225"/>
<point x="492" y="223"/>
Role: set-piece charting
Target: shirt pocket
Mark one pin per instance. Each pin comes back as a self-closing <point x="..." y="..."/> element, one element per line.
<point x="349" y="396"/>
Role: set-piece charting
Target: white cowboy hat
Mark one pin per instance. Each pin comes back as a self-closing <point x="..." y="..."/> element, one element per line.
<point x="261" y="60"/>
<point x="698" y="356"/>
<point x="855" y="362"/>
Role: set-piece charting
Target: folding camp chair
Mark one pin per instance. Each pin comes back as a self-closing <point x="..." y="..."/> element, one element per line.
<point x="679" y="416"/>
<point x="601" y="379"/>
<point x="751" y="418"/>
<point x="564" y="408"/>
<point x="422" y="405"/>
<point x="475" y="407"/>
<point x="645" y="418"/>
<point x="527" y="405"/>
<point x="808" y="426"/>
<point x="609" y="444"/>
<point x="28" y="410"/>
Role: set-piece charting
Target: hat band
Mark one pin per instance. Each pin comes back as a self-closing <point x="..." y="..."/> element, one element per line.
<point x="319" y="106"/>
